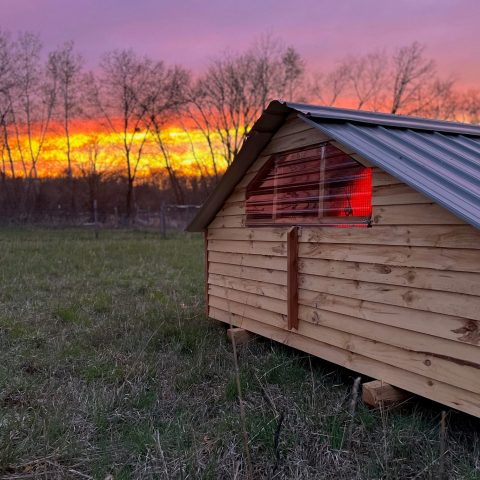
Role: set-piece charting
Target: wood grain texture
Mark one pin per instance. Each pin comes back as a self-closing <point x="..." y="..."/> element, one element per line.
<point x="455" y="304"/>
<point x="439" y="325"/>
<point x="292" y="278"/>
<point x="249" y="273"/>
<point x="205" y="262"/>
<point x="379" y="394"/>
<point x="460" y="260"/>
<point x="250" y="286"/>
<point x="414" y="214"/>
<point x="416" y="277"/>
<point x="440" y="236"/>
<point x="269" y="262"/>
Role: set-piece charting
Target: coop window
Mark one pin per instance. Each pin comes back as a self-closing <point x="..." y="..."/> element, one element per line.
<point x="319" y="185"/>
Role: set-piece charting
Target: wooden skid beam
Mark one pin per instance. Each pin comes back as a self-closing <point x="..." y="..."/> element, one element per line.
<point x="378" y="393"/>
<point x="240" y="335"/>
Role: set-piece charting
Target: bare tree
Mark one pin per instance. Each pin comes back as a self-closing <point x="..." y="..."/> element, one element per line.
<point x="405" y="82"/>
<point x="366" y="78"/>
<point x="35" y="95"/>
<point x="166" y="95"/>
<point x="228" y="99"/>
<point x="328" y="88"/>
<point x="65" y="68"/>
<point x="202" y="166"/>
<point x="435" y="99"/>
<point x="119" y="95"/>
<point x="293" y="73"/>
<point x="92" y="172"/>
<point x="469" y="106"/>
<point x="6" y="108"/>
<point x="410" y="70"/>
<point x="199" y="115"/>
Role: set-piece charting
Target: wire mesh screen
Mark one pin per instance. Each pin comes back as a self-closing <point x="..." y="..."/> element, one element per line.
<point x="319" y="185"/>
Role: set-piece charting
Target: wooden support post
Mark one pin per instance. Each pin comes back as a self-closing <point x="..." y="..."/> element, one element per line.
<point x="205" y="260"/>
<point x="242" y="336"/>
<point x="292" y="278"/>
<point x="378" y="393"/>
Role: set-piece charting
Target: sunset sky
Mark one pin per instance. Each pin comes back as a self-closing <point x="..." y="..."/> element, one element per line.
<point x="191" y="31"/>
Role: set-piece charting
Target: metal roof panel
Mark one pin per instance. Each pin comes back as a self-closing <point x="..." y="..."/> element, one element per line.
<point x="388" y="119"/>
<point x="447" y="178"/>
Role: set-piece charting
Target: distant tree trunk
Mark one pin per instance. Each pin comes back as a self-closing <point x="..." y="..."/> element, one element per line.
<point x="66" y="68"/>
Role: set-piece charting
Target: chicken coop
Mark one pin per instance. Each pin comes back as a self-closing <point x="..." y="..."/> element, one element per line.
<point x="354" y="236"/>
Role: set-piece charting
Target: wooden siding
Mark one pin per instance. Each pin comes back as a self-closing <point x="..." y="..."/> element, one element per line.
<point x="399" y="301"/>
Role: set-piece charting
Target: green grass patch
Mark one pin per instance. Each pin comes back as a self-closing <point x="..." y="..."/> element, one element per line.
<point x="109" y="366"/>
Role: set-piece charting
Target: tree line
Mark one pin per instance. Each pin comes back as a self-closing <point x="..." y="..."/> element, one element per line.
<point x="136" y="98"/>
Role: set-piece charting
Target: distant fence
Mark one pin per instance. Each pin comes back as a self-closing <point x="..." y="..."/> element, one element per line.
<point x="168" y="217"/>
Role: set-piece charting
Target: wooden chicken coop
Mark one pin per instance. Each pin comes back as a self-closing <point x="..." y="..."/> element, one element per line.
<point x="354" y="236"/>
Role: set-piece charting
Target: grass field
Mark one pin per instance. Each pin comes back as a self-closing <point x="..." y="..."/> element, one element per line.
<point x="109" y="369"/>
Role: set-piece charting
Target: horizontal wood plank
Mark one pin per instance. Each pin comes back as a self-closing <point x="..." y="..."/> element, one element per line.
<point x="250" y="273"/>
<point x="251" y="299"/>
<point x="454" y="304"/>
<point x="410" y="342"/>
<point x="443" y="236"/>
<point x="236" y="208"/>
<point x="439" y="325"/>
<point x="426" y="278"/>
<point x="301" y="139"/>
<point x="413" y="342"/>
<point x="251" y="286"/>
<point x="399" y="194"/>
<point x="460" y="260"/>
<point x="248" y="177"/>
<point x="260" y="261"/>
<point x="414" y="214"/>
<point x="418" y="323"/>
<point x="228" y="222"/>
<point x="238" y="195"/>
<point x="253" y="248"/>
<point x="263" y="234"/>
<point x="292" y="126"/>
<point x="380" y="177"/>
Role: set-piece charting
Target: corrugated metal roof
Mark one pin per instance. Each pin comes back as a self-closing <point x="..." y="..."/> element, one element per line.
<point x="439" y="159"/>
<point x="443" y="166"/>
<point x="386" y="119"/>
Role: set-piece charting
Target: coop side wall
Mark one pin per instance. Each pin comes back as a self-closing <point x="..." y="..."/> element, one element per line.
<point x="398" y="302"/>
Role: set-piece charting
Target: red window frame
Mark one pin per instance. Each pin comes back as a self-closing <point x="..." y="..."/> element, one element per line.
<point x="319" y="185"/>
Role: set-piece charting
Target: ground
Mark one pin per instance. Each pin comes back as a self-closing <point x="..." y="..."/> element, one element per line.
<point x="110" y="369"/>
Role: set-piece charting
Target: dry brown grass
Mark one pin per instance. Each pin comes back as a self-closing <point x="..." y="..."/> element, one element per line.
<point x="108" y="367"/>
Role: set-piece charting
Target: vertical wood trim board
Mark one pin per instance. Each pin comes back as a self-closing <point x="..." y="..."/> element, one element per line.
<point x="292" y="278"/>
<point x="205" y="261"/>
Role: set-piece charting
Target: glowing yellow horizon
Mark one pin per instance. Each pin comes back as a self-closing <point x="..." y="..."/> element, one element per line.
<point x="91" y="144"/>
